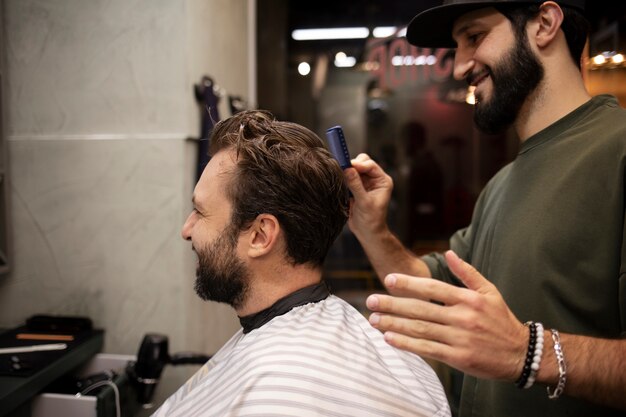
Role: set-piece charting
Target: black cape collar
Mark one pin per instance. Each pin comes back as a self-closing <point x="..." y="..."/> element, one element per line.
<point x="306" y="295"/>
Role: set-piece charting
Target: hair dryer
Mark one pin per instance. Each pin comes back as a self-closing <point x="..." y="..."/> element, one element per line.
<point x="152" y="357"/>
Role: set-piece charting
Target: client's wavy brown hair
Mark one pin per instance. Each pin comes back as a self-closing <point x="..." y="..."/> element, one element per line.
<point x="285" y="170"/>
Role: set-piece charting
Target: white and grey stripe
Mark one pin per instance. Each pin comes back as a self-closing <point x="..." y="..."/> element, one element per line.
<point x="319" y="359"/>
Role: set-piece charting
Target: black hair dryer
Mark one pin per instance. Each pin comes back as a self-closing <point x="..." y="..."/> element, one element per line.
<point x="152" y="357"/>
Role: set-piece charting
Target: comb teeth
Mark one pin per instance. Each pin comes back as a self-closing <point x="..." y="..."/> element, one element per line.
<point x="338" y="146"/>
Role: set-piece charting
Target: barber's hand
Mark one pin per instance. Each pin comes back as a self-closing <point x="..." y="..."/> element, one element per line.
<point x="371" y="188"/>
<point x="473" y="331"/>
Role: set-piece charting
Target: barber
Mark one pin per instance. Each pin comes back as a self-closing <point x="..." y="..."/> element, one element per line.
<point x="531" y="300"/>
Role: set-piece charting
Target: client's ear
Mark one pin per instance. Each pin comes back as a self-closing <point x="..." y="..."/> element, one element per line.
<point x="264" y="235"/>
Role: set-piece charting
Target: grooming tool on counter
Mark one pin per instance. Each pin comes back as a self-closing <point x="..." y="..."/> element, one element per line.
<point x="33" y="348"/>
<point x="49" y="337"/>
<point x="153" y="355"/>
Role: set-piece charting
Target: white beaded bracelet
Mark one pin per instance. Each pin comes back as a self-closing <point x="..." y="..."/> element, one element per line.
<point x="533" y="355"/>
<point x="537" y="354"/>
<point x="560" y="358"/>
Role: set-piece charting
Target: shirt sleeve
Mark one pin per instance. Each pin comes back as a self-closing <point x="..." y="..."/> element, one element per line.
<point x="461" y="243"/>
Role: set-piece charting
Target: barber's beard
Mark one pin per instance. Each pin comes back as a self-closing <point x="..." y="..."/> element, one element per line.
<point x="221" y="276"/>
<point x="514" y="78"/>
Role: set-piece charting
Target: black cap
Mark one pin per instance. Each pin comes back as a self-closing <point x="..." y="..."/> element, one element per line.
<point x="433" y="27"/>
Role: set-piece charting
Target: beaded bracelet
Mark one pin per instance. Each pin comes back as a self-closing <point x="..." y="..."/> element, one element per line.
<point x="560" y="358"/>
<point x="537" y="354"/>
<point x="533" y="356"/>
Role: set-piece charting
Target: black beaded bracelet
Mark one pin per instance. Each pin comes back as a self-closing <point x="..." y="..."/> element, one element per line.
<point x="532" y="340"/>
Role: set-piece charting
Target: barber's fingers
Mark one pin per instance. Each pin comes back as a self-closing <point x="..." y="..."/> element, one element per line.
<point x="411" y="308"/>
<point x="353" y="174"/>
<point x="467" y="274"/>
<point x="426" y="348"/>
<point x="427" y="289"/>
<point x="362" y="157"/>
<point x="366" y="176"/>
<point x="425" y="337"/>
<point x="367" y="166"/>
<point x="422" y="329"/>
<point x="355" y="183"/>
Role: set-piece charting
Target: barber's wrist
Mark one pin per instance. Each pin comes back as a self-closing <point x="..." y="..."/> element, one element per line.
<point x="519" y="357"/>
<point x="533" y="356"/>
<point x="549" y="372"/>
<point x="374" y="231"/>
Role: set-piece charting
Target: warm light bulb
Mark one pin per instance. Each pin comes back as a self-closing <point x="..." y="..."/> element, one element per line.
<point x="599" y="59"/>
<point x="371" y="66"/>
<point x="304" y="68"/>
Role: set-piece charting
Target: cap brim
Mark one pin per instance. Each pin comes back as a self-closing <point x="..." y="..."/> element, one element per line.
<point x="433" y="27"/>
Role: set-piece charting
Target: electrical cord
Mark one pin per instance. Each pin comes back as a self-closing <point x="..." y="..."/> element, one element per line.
<point x="118" y="409"/>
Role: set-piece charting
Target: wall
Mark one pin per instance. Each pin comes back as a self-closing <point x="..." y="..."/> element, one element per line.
<point x="272" y="67"/>
<point x="98" y="105"/>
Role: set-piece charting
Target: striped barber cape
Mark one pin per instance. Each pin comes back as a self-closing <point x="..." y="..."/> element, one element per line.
<point x="319" y="359"/>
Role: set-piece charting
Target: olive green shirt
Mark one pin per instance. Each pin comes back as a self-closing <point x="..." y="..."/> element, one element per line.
<point x="549" y="231"/>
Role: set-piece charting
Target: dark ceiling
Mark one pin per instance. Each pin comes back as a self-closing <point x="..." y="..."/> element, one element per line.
<point x="372" y="13"/>
<point x="328" y="13"/>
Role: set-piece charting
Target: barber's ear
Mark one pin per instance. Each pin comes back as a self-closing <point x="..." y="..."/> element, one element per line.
<point x="263" y="236"/>
<point x="549" y="22"/>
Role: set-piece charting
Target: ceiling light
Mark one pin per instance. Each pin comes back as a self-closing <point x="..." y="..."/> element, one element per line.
<point x="304" y="68"/>
<point x="397" y="60"/>
<point x="384" y="31"/>
<point x="330" y="33"/>
<point x="599" y="59"/>
<point x="607" y="60"/>
<point x="371" y="66"/>
<point x="345" y="62"/>
<point x="407" y="60"/>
